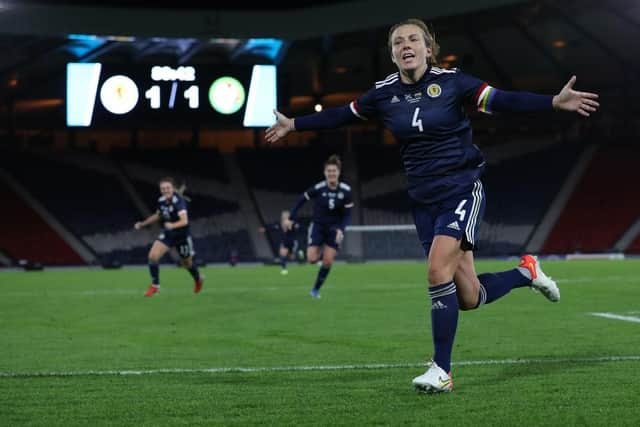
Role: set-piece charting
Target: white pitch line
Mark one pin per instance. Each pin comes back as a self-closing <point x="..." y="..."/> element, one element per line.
<point x="617" y="317"/>
<point x="174" y="291"/>
<point x="316" y="368"/>
<point x="596" y="279"/>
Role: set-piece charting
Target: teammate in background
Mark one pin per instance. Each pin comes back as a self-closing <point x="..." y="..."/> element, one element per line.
<point x="172" y="212"/>
<point x="331" y="215"/>
<point x="422" y="105"/>
<point x="287" y="236"/>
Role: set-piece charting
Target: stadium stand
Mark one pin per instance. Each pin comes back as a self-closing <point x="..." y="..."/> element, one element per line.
<point x="634" y="247"/>
<point x="29" y="237"/>
<point x="600" y="209"/>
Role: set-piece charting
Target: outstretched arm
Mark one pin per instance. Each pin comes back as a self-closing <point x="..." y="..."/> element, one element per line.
<point x="329" y="118"/>
<point x="294" y="211"/>
<point x="489" y="99"/>
<point x="149" y="220"/>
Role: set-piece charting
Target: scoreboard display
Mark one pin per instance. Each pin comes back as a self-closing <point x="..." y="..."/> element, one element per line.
<point x="113" y="95"/>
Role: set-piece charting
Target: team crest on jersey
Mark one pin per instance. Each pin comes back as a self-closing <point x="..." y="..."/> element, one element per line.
<point x="434" y="90"/>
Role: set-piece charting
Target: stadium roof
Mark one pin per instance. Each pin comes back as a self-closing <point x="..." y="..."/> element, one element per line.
<point x="184" y="19"/>
<point x="329" y="51"/>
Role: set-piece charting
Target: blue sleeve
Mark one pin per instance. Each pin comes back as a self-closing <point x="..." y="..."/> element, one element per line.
<point x="311" y="193"/>
<point x="520" y="102"/>
<point x="294" y="210"/>
<point x="181" y="205"/>
<point x="346" y="218"/>
<point x="307" y="195"/>
<point x="365" y="106"/>
<point x="488" y="99"/>
<point x="468" y="86"/>
<point x="348" y="199"/>
<point x="348" y="205"/>
<point x="329" y="118"/>
<point x="362" y="108"/>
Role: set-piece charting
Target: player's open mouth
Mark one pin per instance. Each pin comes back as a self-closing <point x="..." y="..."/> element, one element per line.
<point x="408" y="58"/>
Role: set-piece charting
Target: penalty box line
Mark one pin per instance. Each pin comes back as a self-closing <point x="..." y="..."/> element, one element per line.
<point x="268" y="369"/>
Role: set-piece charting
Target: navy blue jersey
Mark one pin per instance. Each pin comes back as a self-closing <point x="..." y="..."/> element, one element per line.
<point x="429" y="122"/>
<point x="285" y="236"/>
<point x="169" y="210"/>
<point x="329" y="206"/>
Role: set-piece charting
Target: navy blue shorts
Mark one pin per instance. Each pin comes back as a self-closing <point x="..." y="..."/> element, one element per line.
<point x="322" y="234"/>
<point x="183" y="243"/>
<point x="458" y="217"/>
<point x="289" y="244"/>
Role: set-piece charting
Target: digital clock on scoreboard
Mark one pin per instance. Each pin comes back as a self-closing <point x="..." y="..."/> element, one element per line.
<point x="112" y="95"/>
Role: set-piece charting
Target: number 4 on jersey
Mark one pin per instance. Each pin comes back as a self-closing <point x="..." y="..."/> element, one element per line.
<point x="416" y="122"/>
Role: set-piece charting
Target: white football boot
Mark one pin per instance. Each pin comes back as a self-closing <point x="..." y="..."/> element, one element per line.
<point x="435" y="380"/>
<point x="540" y="281"/>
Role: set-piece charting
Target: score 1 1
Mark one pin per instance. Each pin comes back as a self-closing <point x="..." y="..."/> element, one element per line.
<point x="192" y="94"/>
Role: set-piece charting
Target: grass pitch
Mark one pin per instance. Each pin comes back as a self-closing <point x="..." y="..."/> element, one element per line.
<point x="83" y="347"/>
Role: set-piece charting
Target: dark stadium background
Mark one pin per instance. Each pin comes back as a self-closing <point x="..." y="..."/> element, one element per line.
<point x="556" y="183"/>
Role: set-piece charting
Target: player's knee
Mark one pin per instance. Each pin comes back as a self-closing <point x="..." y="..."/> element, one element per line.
<point x="187" y="263"/>
<point x="439" y="275"/>
<point x="466" y="304"/>
<point x="153" y="259"/>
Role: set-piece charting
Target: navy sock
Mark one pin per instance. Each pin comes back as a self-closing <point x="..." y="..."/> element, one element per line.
<point x="283" y="262"/>
<point x="194" y="272"/>
<point x="497" y="285"/>
<point x="444" y="321"/>
<point x="154" y="270"/>
<point x="322" y="275"/>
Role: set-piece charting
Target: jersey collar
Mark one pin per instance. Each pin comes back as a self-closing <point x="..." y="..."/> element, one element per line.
<point x="332" y="189"/>
<point x="420" y="82"/>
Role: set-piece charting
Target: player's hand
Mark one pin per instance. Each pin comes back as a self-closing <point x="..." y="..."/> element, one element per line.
<point x="262" y="230"/>
<point x="288" y="224"/>
<point x="168" y="225"/>
<point x="138" y="225"/>
<point x="572" y="100"/>
<point x="280" y="129"/>
<point x="339" y="236"/>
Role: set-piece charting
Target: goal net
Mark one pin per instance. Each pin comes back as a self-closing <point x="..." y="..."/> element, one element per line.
<point x="381" y="242"/>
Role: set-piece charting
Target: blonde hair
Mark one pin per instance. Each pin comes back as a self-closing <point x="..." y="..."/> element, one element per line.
<point x="429" y="38"/>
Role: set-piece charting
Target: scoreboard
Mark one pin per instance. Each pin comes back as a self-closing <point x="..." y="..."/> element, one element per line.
<point x="113" y="95"/>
